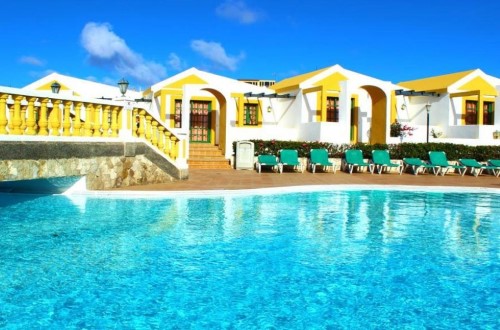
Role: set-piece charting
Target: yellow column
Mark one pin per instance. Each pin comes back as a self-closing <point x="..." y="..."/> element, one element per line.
<point x="67" y="120"/>
<point x="24" y="108"/>
<point x="3" y="114"/>
<point x="97" y="120"/>
<point x="163" y="105"/>
<point x="105" y="120"/>
<point x="16" y="115"/>
<point x="173" y="150"/>
<point x="154" y="128"/>
<point x="54" y="116"/>
<point x="136" y="121"/>
<point x="30" y="121"/>
<point x="241" y="111"/>
<point x="141" y="124"/>
<point x="323" y="104"/>
<point x="10" y="124"/>
<point x="161" y="137"/>
<point x="42" y="122"/>
<point x="480" y="114"/>
<point x="168" y="143"/>
<point x="77" y="125"/>
<point x="114" y="122"/>
<point x="89" y="112"/>
<point x="148" y="127"/>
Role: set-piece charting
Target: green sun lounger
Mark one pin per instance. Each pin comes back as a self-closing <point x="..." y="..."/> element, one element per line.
<point x="382" y="160"/>
<point x="495" y="163"/>
<point x="268" y="161"/>
<point x="319" y="157"/>
<point x="417" y="164"/>
<point x="439" y="159"/>
<point x="354" y="159"/>
<point x="476" y="168"/>
<point x="290" y="158"/>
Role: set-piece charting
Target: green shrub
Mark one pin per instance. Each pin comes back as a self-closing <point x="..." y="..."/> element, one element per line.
<point x="397" y="151"/>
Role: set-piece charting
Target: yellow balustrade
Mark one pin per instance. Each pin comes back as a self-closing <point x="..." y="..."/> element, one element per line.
<point x="142" y="130"/>
<point x="3" y="111"/>
<point x="24" y="108"/>
<point x="154" y="129"/>
<point x="54" y="118"/>
<point x="161" y="137"/>
<point x="148" y="127"/>
<point x="114" y="122"/>
<point x="77" y="123"/>
<point x="168" y="143"/>
<point x="67" y="120"/>
<point x="136" y="121"/>
<point x="16" y="115"/>
<point x="43" y="116"/>
<point x="31" y="121"/>
<point x="96" y="125"/>
<point x="89" y="112"/>
<point x="105" y="120"/>
<point x="42" y="122"/>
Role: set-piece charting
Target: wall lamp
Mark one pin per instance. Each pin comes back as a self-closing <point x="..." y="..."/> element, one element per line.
<point x="56" y="87"/>
<point x="403" y="106"/>
<point x="123" y="86"/>
<point x="269" y="109"/>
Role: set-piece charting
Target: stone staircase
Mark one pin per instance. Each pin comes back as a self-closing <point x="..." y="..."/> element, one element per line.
<point x="206" y="156"/>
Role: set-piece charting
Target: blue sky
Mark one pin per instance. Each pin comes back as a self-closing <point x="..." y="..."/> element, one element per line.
<point x="147" y="41"/>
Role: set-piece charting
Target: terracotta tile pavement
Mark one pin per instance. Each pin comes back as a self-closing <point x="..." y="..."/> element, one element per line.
<point x="230" y="179"/>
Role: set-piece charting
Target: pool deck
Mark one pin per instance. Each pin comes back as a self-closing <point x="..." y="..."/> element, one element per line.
<point x="231" y="179"/>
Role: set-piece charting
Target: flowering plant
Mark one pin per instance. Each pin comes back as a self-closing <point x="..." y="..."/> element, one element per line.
<point x="397" y="129"/>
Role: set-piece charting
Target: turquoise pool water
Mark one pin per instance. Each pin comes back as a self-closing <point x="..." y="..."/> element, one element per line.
<point x="312" y="260"/>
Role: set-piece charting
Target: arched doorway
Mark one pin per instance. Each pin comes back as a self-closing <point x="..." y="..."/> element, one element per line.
<point x="207" y="122"/>
<point x="378" y="127"/>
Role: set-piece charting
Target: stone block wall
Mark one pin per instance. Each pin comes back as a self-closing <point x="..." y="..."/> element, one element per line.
<point x="106" y="165"/>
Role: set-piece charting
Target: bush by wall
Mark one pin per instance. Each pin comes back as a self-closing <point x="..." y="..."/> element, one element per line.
<point x="397" y="151"/>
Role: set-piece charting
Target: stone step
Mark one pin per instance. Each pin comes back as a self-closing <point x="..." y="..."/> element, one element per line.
<point x="206" y="156"/>
<point x="209" y="164"/>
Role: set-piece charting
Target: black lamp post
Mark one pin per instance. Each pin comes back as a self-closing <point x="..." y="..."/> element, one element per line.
<point x="428" y="109"/>
<point x="123" y="85"/>
<point x="56" y="87"/>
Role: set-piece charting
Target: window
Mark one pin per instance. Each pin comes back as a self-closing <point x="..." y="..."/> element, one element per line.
<point x="332" y="109"/>
<point x="178" y="114"/>
<point x="250" y="115"/>
<point x="470" y="112"/>
<point x="488" y="113"/>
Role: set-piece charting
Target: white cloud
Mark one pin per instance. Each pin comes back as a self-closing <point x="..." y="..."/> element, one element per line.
<point x="107" y="49"/>
<point x="216" y="53"/>
<point x="237" y="10"/>
<point x="31" y="60"/>
<point x="175" y="62"/>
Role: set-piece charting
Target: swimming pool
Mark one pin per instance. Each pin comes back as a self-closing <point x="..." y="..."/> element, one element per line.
<point x="329" y="259"/>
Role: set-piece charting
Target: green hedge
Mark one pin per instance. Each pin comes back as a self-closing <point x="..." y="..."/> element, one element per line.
<point x="397" y="151"/>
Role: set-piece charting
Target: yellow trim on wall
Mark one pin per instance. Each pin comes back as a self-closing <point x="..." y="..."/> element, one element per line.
<point x="174" y="95"/>
<point x="189" y="80"/>
<point x="332" y="82"/>
<point x="354" y="118"/>
<point x="394" y="108"/>
<point x="481" y="85"/>
<point x="241" y="112"/>
<point x="436" y="83"/>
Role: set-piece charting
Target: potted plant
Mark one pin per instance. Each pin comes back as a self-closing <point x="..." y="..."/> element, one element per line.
<point x="397" y="129"/>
